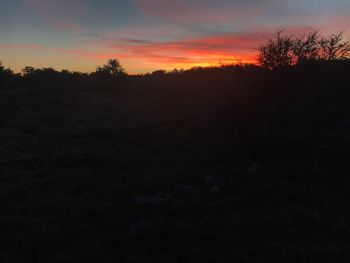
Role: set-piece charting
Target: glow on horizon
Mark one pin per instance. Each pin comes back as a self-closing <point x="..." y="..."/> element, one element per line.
<point x="87" y="62"/>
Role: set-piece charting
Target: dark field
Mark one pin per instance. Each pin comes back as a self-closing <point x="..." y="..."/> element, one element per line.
<point x="217" y="165"/>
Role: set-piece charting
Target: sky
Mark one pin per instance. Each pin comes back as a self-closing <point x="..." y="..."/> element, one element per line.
<point x="146" y="35"/>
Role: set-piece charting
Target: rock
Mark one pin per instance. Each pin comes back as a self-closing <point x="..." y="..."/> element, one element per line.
<point x="151" y="199"/>
<point x="215" y="181"/>
<point x="215" y="189"/>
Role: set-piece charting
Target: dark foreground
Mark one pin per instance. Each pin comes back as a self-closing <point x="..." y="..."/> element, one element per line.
<point x="244" y="166"/>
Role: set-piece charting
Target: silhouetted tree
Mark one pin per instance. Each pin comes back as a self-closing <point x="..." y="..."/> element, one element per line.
<point x="6" y="71"/>
<point x="277" y="52"/>
<point x="2" y="72"/>
<point x="66" y="72"/>
<point x="334" y="47"/>
<point x="6" y="74"/>
<point x="306" y="47"/>
<point x="28" y="71"/>
<point x="286" y="50"/>
<point x="159" y="72"/>
<point x="176" y="71"/>
<point x="113" y="67"/>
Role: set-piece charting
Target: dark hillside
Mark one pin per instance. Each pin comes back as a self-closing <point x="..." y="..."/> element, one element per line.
<point x="231" y="164"/>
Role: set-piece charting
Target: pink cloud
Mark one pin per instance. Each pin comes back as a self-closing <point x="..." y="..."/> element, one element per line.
<point x="222" y="43"/>
<point x="151" y="32"/>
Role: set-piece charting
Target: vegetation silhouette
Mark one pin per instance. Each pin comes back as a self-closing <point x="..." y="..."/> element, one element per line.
<point x="112" y="68"/>
<point x="245" y="163"/>
<point x="286" y="50"/>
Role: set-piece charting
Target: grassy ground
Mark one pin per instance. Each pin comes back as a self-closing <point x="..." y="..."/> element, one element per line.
<point x="125" y="174"/>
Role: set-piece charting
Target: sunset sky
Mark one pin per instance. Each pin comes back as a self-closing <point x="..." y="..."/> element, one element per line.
<point x="152" y="34"/>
